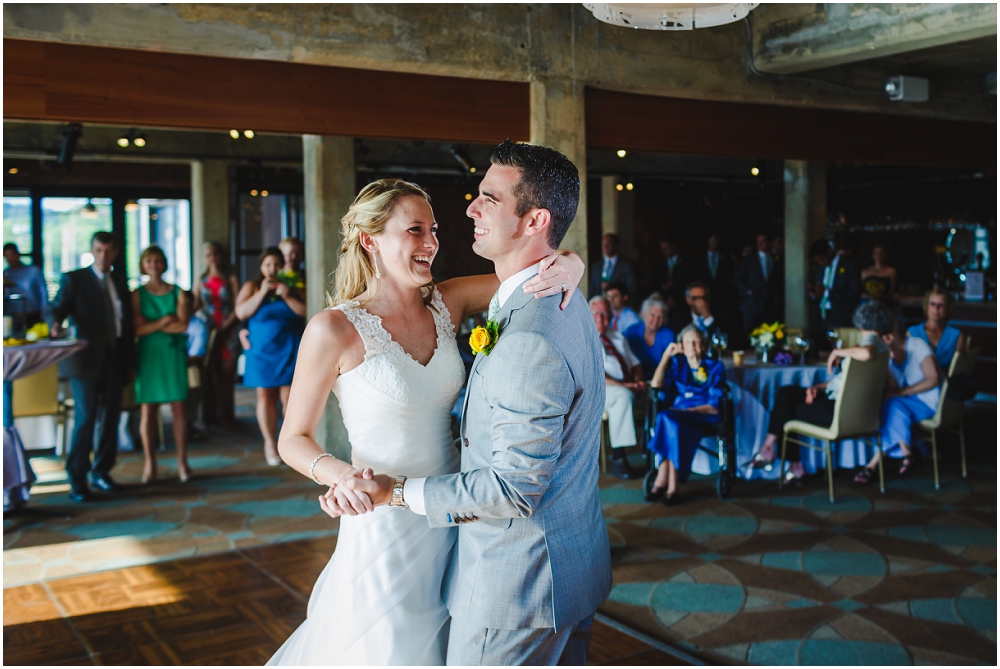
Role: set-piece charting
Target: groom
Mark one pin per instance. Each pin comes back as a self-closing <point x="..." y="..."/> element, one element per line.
<point x="533" y="561"/>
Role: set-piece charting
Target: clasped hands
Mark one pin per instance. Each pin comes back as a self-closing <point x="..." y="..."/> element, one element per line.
<point x="358" y="492"/>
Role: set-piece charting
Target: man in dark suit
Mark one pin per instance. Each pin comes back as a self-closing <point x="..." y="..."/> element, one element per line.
<point x="716" y="271"/>
<point x="611" y="269"/>
<point x="836" y="286"/>
<point x="97" y="302"/>
<point x="672" y="274"/>
<point x="699" y="311"/>
<point x="755" y="282"/>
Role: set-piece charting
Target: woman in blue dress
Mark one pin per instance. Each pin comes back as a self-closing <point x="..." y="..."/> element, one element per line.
<point x="650" y="338"/>
<point x="275" y="316"/>
<point x="691" y="386"/>
<point x="943" y="339"/>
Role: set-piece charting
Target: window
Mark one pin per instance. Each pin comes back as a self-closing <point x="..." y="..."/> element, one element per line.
<point x="68" y="223"/>
<point x="17" y="225"/>
<point x="166" y="223"/>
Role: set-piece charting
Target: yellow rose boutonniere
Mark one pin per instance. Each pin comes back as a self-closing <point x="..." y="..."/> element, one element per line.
<point x="484" y="338"/>
<point x="701" y="375"/>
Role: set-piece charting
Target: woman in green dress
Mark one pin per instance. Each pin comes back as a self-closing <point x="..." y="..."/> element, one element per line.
<point x="161" y="318"/>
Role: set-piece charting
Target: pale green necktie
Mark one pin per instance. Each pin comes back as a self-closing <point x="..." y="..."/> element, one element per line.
<point x="494" y="306"/>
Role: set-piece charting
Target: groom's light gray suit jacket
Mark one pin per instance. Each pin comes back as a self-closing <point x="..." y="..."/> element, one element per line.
<point x="532" y="550"/>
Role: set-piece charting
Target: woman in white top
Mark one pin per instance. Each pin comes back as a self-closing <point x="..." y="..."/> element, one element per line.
<point x="912" y="397"/>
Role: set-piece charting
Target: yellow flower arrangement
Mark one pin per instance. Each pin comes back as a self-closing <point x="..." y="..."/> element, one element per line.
<point x="767" y="334"/>
<point x="484" y="338"/>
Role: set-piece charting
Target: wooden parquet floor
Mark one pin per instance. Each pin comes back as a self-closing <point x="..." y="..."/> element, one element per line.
<point x="233" y="608"/>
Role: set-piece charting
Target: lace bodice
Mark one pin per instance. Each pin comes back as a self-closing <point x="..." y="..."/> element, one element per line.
<point x="397" y="411"/>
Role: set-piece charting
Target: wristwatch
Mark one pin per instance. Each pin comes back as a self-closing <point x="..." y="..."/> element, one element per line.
<point x="397" y="493"/>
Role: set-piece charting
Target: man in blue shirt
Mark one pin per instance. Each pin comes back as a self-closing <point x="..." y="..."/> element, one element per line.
<point x="29" y="281"/>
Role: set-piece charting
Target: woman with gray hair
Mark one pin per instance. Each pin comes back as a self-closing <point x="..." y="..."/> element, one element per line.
<point x="650" y="338"/>
<point x="815" y="404"/>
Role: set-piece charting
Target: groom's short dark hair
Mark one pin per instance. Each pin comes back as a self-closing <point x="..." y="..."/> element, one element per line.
<point x="549" y="180"/>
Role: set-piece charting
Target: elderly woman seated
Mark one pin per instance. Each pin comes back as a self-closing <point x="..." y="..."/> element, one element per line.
<point x="912" y="396"/>
<point x="815" y="404"/>
<point x="650" y="338"/>
<point x="693" y="386"/>
<point x="943" y="339"/>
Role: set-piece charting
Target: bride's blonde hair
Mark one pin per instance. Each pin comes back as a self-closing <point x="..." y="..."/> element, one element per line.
<point x="373" y="206"/>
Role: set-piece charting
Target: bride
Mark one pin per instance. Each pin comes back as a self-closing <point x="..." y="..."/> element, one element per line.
<point x="387" y="351"/>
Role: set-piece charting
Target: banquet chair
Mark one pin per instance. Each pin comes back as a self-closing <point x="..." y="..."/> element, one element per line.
<point x="949" y="413"/>
<point x="38" y="395"/>
<point x="849" y="336"/>
<point x="856" y="415"/>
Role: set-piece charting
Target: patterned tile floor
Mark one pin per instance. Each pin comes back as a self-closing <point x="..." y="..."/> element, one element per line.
<point x="908" y="577"/>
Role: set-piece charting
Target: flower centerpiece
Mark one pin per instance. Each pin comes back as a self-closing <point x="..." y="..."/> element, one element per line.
<point x="766" y="337"/>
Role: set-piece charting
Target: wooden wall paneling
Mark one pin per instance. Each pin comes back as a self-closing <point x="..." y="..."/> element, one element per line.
<point x="670" y="125"/>
<point x="66" y="82"/>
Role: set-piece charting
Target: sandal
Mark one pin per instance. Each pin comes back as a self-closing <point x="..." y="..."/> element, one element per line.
<point x="865" y="476"/>
<point x="906" y="465"/>
<point x="759" y="462"/>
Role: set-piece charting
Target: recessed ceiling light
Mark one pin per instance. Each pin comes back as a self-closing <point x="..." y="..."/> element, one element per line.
<point x="619" y="187"/>
<point x="234" y="133"/>
<point x="629" y="186"/>
<point x="12" y="170"/>
<point x="468" y="196"/>
<point x="123" y="141"/>
<point x="472" y="170"/>
<point x="621" y="153"/>
<point x="253" y="193"/>
<point x="139" y="141"/>
<point x="131" y="205"/>
<point x="264" y="193"/>
<point x="755" y="171"/>
<point x="248" y="134"/>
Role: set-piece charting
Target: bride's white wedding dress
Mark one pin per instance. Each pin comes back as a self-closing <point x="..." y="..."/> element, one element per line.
<point x="378" y="600"/>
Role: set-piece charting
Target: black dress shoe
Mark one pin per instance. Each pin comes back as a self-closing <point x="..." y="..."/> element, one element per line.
<point x="621" y="469"/>
<point x="104" y="483"/>
<point x="80" y="494"/>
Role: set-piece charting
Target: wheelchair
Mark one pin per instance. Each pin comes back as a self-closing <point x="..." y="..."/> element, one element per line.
<point x="725" y="441"/>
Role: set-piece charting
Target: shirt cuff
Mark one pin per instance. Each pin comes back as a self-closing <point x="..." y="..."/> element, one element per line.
<point x="413" y="495"/>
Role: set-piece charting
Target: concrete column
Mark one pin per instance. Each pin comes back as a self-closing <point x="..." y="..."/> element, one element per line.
<point x="209" y="209"/>
<point x="328" y="165"/>
<point x="557" y="121"/>
<point x="609" y="205"/>
<point x="805" y="222"/>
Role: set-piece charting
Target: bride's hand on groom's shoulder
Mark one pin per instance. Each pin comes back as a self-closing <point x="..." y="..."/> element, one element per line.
<point x="558" y="273"/>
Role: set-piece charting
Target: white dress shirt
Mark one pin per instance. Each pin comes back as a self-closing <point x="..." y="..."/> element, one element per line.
<point x="116" y="303"/>
<point x="609" y="266"/>
<point x="765" y="263"/>
<point x="413" y="489"/>
<point x="611" y="365"/>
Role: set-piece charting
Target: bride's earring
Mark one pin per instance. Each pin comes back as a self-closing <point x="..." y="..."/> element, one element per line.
<point x="378" y="274"/>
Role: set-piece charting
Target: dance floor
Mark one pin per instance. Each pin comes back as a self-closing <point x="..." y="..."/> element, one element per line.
<point x="218" y="570"/>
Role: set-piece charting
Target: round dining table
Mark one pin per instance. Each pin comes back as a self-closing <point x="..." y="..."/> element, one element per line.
<point x="753" y="387"/>
<point x="18" y="362"/>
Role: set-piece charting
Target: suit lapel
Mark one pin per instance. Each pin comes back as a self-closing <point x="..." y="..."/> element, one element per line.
<point x="513" y="304"/>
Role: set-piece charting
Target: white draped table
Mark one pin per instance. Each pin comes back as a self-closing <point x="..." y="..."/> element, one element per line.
<point x="753" y="390"/>
<point x="18" y="362"/>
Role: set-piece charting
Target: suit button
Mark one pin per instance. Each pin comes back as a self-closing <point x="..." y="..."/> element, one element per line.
<point x="465" y="442"/>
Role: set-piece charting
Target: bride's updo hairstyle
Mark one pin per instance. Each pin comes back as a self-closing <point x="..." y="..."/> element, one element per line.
<point x="373" y="206"/>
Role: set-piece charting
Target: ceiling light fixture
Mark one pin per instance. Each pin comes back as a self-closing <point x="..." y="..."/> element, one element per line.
<point x="629" y="186"/>
<point x="234" y="133"/>
<point x="12" y="170"/>
<point x="253" y="193"/>
<point x="139" y="141"/>
<point x="264" y="193"/>
<point x="621" y="153"/>
<point x="248" y="134"/>
<point x="755" y="171"/>
<point x="123" y="141"/>
<point x="89" y="210"/>
<point x="468" y="197"/>
<point x="472" y="170"/>
<point x="619" y="187"/>
<point x="671" y="16"/>
<point x="131" y="206"/>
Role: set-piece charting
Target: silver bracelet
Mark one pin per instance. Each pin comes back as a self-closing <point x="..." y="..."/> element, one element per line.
<point x="312" y="467"/>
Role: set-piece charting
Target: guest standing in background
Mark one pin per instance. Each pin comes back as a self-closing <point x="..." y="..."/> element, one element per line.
<point x="96" y="302"/>
<point x="275" y="316"/>
<point x="878" y="282"/>
<point x="691" y="386"/>
<point x="716" y="271"/>
<point x="622" y="315"/>
<point x="671" y="273"/>
<point x="31" y="283"/>
<point x="943" y="339"/>
<point x="160" y="312"/>
<point x="217" y="303"/>
<point x="612" y="268"/>
<point x="294" y="253"/>
<point x="837" y="286"/>
<point x="649" y="338"/>
<point x="755" y="281"/>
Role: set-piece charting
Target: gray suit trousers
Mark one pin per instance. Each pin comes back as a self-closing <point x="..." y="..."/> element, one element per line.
<point x="480" y="646"/>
